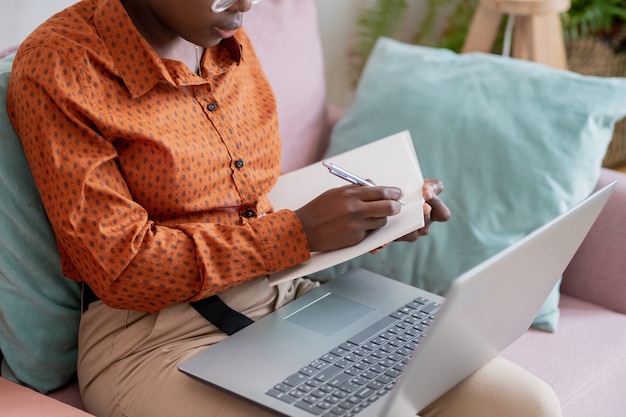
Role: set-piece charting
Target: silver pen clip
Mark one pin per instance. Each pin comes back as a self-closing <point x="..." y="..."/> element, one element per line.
<point x="347" y="175"/>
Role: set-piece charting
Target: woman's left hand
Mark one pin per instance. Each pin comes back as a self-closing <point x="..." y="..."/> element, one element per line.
<point x="434" y="210"/>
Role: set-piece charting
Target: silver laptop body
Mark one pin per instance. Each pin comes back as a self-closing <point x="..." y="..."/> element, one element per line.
<point x="484" y="311"/>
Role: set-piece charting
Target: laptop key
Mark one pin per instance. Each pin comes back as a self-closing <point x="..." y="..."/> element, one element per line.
<point x="372" y="330"/>
<point x="339" y="379"/>
<point x="316" y="395"/>
<point x="430" y="308"/>
<point x="282" y="387"/>
<point x="392" y="373"/>
<point x="312" y="399"/>
<point x="329" y="357"/>
<point x="324" y="405"/>
<point x="422" y="300"/>
<point x="375" y="385"/>
<point x="370" y="346"/>
<point x="281" y="396"/>
<point x="338" y="410"/>
<point x="349" y="387"/>
<point x="309" y="370"/>
<point x="364" y="392"/>
<point x="339" y="351"/>
<point x="311" y="408"/>
<point x="384" y="379"/>
<point x="318" y="364"/>
<point x="295" y="379"/>
<point x="348" y="345"/>
<point x="328" y="373"/>
<point x="353" y="371"/>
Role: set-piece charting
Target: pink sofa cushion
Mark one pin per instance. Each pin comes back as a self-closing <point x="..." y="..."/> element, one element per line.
<point x="597" y="273"/>
<point x="8" y="51"/>
<point x="286" y="38"/>
<point x="584" y="361"/>
<point x="19" y="401"/>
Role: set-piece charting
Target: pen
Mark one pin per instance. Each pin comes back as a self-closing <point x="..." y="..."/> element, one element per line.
<point x="349" y="176"/>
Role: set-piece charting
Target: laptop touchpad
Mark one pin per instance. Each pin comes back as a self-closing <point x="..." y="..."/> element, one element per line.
<point x="329" y="314"/>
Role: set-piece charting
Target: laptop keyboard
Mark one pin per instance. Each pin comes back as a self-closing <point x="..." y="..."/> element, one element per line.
<point x="359" y="371"/>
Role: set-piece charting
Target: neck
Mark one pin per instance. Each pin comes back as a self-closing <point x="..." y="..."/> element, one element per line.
<point x="166" y="44"/>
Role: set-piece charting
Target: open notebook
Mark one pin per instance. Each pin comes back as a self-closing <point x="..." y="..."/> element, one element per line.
<point x="389" y="161"/>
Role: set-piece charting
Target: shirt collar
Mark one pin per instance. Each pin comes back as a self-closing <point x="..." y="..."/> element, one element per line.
<point x="130" y="51"/>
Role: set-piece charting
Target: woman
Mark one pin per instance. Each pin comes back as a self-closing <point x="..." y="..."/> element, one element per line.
<point x="152" y="136"/>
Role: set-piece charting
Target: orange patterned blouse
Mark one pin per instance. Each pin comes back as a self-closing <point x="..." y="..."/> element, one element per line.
<point x="154" y="179"/>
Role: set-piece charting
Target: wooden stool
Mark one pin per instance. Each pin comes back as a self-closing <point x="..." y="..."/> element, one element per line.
<point x="537" y="30"/>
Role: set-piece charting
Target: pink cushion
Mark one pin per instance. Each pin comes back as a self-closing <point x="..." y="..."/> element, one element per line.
<point x="596" y="273"/>
<point x="19" y="401"/>
<point x="69" y="394"/>
<point x="584" y="361"/>
<point x="296" y="71"/>
<point x="8" y="51"/>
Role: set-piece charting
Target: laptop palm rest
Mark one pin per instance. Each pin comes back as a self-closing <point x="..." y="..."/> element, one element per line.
<point x="329" y="314"/>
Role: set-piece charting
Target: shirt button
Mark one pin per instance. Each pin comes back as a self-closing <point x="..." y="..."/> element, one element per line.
<point x="249" y="213"/>
<point x="239" y="163"/>
<point x="211" y="107"/>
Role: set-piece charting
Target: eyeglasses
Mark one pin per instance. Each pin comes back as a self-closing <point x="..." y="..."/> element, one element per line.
<point x="219" y="6"/>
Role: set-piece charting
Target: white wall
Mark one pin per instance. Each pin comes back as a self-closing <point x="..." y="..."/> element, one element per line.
<point x="337" y="21"/>
<point x="20" y="17"/>
<point x="337" y="24"/>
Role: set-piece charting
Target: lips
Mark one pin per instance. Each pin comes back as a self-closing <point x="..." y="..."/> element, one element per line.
<point x="225" y="32"/>
<point x="228" y="29"/>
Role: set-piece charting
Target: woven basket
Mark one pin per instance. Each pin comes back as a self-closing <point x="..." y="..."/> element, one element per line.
<point x="595" y="56"/>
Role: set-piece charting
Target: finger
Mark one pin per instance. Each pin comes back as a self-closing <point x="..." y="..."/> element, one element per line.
<point x="440" y="212"/>
<point x="427" y="209"/>
<point x="374" y="223"/>
<point x="432" y="188"/>
<point x="379" y="193"/>
<point x="424" y="231"/>
<point x="410" y="237"/>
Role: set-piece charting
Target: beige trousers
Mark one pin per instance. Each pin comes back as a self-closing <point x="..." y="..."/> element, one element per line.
<point x="128" y="365"/>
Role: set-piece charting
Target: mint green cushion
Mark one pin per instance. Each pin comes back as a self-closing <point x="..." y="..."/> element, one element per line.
<point x="39" y="307"/>
<point x="514" y="142"/>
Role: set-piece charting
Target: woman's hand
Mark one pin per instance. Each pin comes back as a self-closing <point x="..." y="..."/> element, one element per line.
<point x="434" y="210"/>
<point x="344" y="216"/>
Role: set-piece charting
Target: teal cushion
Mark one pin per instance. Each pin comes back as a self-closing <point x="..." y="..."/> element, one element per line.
<point x="514" y="142"/>
<point x="39" y="307"/>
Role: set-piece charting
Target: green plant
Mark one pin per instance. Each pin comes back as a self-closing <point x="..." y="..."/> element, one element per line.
<point x="381" y="19"/>
<point x="458" y="16"/>
<point x="604" y="18"/>
<point x="385" y="16"/>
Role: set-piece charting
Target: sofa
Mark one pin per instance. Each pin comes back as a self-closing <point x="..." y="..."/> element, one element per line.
<point x="583" y="360"/>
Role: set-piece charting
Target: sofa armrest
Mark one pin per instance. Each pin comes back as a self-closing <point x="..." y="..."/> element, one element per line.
<point x="597" y="272"/>
<point x="19" y="401"/>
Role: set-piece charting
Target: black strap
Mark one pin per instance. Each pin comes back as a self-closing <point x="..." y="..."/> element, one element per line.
<point x="223" y="317"/>
<point x="88" y="297"/>
<point x="213" y="309"/>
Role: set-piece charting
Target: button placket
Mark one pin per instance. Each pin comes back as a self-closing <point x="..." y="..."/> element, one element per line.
<point x="233" y="145"/>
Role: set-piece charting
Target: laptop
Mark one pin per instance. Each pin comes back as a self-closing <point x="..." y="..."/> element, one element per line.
<point x="366" y="345"/>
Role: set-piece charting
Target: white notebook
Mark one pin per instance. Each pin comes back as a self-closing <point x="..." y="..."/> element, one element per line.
<point x="389" y="161"/>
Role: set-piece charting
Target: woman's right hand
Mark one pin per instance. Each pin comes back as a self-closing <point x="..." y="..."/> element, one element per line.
<point x="344" y="216"/>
